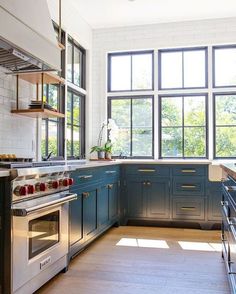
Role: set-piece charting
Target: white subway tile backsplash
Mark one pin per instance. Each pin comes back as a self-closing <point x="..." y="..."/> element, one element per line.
<point x="16" y="132"/>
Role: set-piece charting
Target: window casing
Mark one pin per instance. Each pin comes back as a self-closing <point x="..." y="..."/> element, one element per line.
<point x="183" y="126"/>
<point x="75" y="130"/>
<point x="130" y="71"/>
<point x="75" y="63"/>
<point x="134" y="117"/>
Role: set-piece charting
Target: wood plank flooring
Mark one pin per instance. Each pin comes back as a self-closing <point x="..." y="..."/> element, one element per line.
<point x="106" y="268"/>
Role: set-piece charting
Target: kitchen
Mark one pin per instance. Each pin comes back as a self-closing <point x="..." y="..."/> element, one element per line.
<point x="154" y="218"/>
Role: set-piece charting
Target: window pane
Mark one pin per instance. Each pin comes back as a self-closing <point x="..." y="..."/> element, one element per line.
<point x="52" y="138"/>
<point x="142" y="127"/>
<point x="171" y="142"/>
<point x="120" y="113"/>
<point x="171" y="70"/>
<point x="225" y="67"/>
<point x="194" y="111"/>
<point x="77" y="67"/>
<point x="225" y="108"/>
<point x="76" y="141"/>
<point x="69" y="62"/>
<point x="225" y="142"/>
<point x="194" y="142"/>
<point x="68" y="141"/>
<point x="142" y="71"/>
<point x="69" y="107"/>
<point x="43" y="138"/>
<point x="194" y="68"/>
<point x="120" y="73"/>
<point x="171" y="111"/>
<point x="53" y="96"/>
<point x="76" y="110"/>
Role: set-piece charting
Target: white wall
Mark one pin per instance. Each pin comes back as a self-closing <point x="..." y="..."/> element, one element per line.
<point x="17" y="133"/>
<point x="169" y="35"/>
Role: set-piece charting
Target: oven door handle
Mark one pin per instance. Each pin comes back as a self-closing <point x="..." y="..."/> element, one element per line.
<point x="37" y="208"/>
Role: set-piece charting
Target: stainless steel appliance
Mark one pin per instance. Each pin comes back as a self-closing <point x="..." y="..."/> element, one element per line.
<point x="40" y="199"/>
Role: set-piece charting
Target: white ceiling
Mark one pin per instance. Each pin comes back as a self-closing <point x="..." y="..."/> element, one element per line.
<point x="112" y="13"/>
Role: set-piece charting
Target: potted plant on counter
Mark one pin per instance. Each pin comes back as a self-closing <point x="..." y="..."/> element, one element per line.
<point x="100" y="151"/>
<point x="108" y="149"/>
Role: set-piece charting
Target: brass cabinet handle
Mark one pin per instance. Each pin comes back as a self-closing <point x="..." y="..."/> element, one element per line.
<point x="144" y="183"/>
<point x="188" y="208"/>
<point x="188" y="170"/>
<point x="85" y="177"/>
<point x="85" y="194"/>
<point x="148" y="170"/>
<point x="110" y="171"/>
<point x="188" y="186"/>
<point x="110" y="186"/>
<point x="148" y="183"/>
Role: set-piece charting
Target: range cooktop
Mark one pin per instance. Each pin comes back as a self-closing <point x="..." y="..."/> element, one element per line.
<point x="25" y="164"/>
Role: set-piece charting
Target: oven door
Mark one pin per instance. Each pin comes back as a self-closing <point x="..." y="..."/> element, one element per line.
<point x="39" y="237"/>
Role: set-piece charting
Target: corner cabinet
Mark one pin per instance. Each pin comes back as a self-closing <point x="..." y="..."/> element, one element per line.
<point x="97" y="206"/>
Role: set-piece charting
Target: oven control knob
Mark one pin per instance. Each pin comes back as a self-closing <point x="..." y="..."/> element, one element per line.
<point x="42" y="187"/>
<point x="31" y="189"/>
<point x="23" y="190"/>
<point x="70" y="181"/>
<point x="65" y="182"/>
<point x="55" y="184"/>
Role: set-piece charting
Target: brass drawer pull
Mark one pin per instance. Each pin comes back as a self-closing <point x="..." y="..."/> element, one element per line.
<point x="148" y="183"/>
<point x="110" y="186"/>
<point x="188" y="186"/>
<point x="188" y="208"/>
<point x="85" y="177"/>
<point x="144" y="183"/>
<point x="188" y="170"/>
<point x="85" y="194"/>
<point x="110" y="171"/>
<point x="146" y="170"/>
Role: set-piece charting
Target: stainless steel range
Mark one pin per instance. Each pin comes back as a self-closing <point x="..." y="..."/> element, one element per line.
<point x="40" y="197"/>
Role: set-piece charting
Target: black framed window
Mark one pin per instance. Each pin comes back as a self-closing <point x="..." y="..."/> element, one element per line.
<point x="224" y="66"/>
<point x="75" y="131"/>
<point x="50" y="127"/>
<point x="75" y="63"/>
<point x="183" y="131"/>
<point x="183" y="68"/>
<point x="130" y="71"/>
<point x="134" y="118"/>
<point x="225" y="125"/>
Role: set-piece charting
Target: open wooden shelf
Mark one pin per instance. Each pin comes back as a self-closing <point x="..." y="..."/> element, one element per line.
<point x="38" y="113"/>
<point x="36" y="77"/>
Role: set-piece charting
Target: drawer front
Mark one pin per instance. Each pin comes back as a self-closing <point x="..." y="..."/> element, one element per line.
<point x="147" y="170"/>
<point x="189" y="186"/>
<point x="188" y="209"/>
<point x="86" y="176"/>
<point x="189" y="170"/>
<point x="110" y="173"/>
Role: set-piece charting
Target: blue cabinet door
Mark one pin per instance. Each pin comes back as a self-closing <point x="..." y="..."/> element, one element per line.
<point x="158" y="197"/>
<point x="136" y="202"/>
<point x="214" y="201"/>
<point x="90" y="213"/>
<point x="113" y="192"/>
<point x="103" y="206"/>
<point x="76" y="219"/>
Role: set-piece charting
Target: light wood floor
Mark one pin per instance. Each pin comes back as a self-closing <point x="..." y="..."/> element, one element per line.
<point x="106" y="268"/>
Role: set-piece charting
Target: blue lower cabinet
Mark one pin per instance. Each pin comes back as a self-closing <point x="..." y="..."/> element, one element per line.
<point x="148" y="197"/>
<point x="113" y="200"/>
<point x="214" y="201"/>
<point x="90" y="224"/>
<point x="103" y="206"/>
<point x="76" y="220"/>
<point x="188" y="208"/>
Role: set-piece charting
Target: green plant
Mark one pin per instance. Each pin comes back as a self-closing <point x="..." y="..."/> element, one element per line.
<point x="108" y="146"/>
<point x="97" y="149"/>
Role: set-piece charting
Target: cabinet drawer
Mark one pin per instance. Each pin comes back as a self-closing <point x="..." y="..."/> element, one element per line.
<point x="147" y="169"/>
<point x="190" y="186"/>
<point x="189" y="170"/>
<point x="84" y="176"/>
<point x="190" y="209"/>
<point x="110" y="173"/>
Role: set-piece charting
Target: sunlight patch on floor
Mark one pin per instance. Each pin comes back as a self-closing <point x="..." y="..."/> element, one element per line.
<point x="143" y="243"/>
<point x="200" y="246"/>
